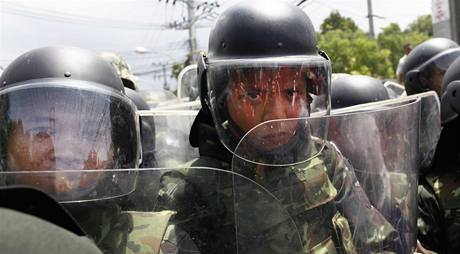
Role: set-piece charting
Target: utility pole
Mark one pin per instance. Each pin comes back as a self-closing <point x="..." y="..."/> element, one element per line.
<point x="196" y="10"/>
<point x="192" y="31"/>
<point x="370" y="16"/>
<point x="165" y="84"/>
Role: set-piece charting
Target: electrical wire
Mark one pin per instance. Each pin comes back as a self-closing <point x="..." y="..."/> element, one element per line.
<point x="62" y="17"/>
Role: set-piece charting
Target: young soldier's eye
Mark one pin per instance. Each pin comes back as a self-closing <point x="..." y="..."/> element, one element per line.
<point x="253" y="95"/>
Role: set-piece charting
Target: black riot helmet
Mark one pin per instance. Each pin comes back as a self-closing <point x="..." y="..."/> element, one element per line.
<point x="450" y="99"/>
<point x="65" y="118"/>
<point x="262" y="53"/>
<point x="352" y="90"/>
<point x="68" y="63"/>
<point x="426" y="63"/>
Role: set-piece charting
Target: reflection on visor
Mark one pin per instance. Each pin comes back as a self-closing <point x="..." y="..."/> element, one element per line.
<point x="279" y="93"/>
<point x="304" y="82"/>
<point x="65" y="129"/>
<point x="245" y="95"/>
<point x="76" y="186"/>
<point x="257" y="95"/>
<point x="443" y="60"/>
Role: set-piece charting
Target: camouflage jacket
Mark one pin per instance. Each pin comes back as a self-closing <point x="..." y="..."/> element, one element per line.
<point x="321" y="196"/>
<point x="130" y="232"/>
<point x="439" y="200"/>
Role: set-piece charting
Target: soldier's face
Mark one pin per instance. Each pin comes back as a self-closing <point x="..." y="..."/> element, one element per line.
<point x="44" y="142"/>
<point x="258" y="96"/>
<point x="436" y="80"/>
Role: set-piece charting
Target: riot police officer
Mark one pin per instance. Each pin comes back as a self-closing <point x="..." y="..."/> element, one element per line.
<point x="426" y="64"/>
<point x="439" y="188"/>
<point x="68" y="128"/>
<point x="261" y="80"/>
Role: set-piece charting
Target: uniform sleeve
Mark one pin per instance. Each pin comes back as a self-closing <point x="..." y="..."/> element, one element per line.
<point x="192" y="193"/>
<point x="371" y="230"/>
<point x="430" y="220"/>
<point x="174" y="192"/>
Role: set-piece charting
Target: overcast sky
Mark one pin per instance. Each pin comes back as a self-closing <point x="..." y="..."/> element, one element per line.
<point x="123" y="25"/>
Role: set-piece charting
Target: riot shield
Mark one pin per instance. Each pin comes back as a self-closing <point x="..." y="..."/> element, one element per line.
<point x="171" y="136"/>
<point x="430" y="127"/>
<point x="187" y="85"/>
<point x="287" y="159"/>
<point x="430" y="121"/>
<point x="358" y="193"/>
<point x="178" y="210"/>
<point x="158" y="97"/>
<point x="191" y="105"/>
<point x="381" y="144"/>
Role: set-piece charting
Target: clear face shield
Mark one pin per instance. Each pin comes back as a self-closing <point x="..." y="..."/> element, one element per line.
<point x="433" y="71"/>
<point x="68" y="132"/>
<point x="247" y="95"/>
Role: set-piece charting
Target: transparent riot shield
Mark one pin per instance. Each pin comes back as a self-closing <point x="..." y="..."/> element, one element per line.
<point x="430" y="121"/>
<point x="356" y="194"/>
<point x="171" y="136"/>
<point x="187" y="86"/>
<point x="190" y="105"/>
<point x="158" y="97"/>
<point x="381" y="144"/>
<point x="430" y="127"/>
<point x="178" y="210"/>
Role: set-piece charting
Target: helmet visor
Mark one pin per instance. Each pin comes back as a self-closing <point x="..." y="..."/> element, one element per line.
<point x="443" y="60"/>
<point x="246" y="93"/>
<point x="59" y="127"/>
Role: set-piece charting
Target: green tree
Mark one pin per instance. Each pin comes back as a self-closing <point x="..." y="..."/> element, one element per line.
<point x="393" y="39"/>
<point x="351" y="50"/>
<point x="355" y="53"/>
<point x="422" y="24"/>
<point x="335" y="21"/>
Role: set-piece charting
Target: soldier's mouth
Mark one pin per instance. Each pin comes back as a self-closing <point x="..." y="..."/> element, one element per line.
<point x="273" y="140"/>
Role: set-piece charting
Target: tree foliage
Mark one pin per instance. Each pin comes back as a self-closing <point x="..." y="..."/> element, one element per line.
<point x="355" y="53"/>
<point x="422" y="24"/>
<point x="393" y="39"/>
<point x="335" y="21"/>
<point x="352" y="51"/>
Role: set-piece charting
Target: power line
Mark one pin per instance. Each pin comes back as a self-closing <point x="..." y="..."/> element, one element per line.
<point x="196" y="11"/>
<point x="78" y="20"/>
<point x="301" y="2"/>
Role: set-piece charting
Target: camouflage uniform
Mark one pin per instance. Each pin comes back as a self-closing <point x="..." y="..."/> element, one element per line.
<point x="439" y="199"/>
<point x="317" y="194"/>
<point x="117" y="231"/>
